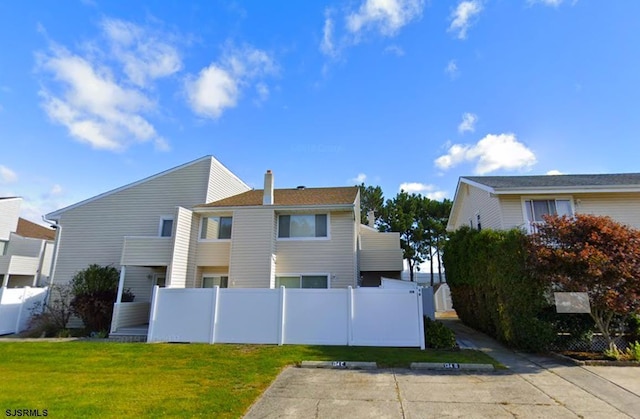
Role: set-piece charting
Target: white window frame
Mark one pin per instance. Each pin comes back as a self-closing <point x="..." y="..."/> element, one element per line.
<point x="328" y="275"/>
<point x="328" y="237"/>
<point x="214" y="275"/>
<point x="529" y="223"/>
<point x="160" y="224"/>
<point x="213" y="240"/>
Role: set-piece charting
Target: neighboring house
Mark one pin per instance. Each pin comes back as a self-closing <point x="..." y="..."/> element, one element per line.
<point x="198" y="226"/>
<point x="26" y="248"/>
<point x="505" y="202"/>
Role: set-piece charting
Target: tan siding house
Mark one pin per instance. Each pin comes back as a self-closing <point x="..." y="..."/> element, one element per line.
<point x="505" y="202"/>
<point x="198" y="225"/>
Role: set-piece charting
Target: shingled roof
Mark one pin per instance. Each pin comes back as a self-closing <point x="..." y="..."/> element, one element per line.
<point x="290" y="197"/>
<point x="558" y="181"/>
<point x="32" y="230"/>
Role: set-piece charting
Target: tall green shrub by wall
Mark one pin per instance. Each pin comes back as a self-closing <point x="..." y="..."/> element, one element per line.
<point x="491" y="290"/>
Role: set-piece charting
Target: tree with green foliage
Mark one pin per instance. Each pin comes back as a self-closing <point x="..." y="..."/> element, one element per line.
<point x="435" y="216"/>
<point x="371" y="199"/>
<point x="402" y="214"/>
<point x="94" y="292"/>
<point x="590" y="254"/>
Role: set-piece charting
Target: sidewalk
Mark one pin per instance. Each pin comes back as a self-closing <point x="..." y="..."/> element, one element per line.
<point x="532" y="387"/>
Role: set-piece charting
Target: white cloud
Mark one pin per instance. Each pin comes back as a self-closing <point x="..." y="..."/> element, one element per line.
<point x="430" y="191"/>
<point x="552" y="3"/>
<point x="378" y="17"/>
<point x="361" y="178"/>
<point x="56" y="190"/>
<point x="468" y="123"/>
<point x="218" y="86"/>
<point x="85" y="94"/>
<point x="463" y="17"/>
<point x="326" y="46"/>
<point x="395" y="50"/>
<point x="452" y="69"/>
<point x="384" y="16"/>
<point x="212" y="91"/>
<point x="7" y="175"/>
<point x="554" y="172"/>
<point x="143" y="55"/>
<point x="493" y="152"/>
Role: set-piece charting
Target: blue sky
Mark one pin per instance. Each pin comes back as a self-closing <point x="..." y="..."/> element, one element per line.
<point x="396" y="93"/>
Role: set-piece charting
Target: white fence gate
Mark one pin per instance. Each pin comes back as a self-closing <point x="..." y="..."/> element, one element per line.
<point x="357" y="317"/>
<point x="16" y="305"/>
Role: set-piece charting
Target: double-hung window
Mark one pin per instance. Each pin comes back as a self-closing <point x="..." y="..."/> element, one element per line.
<point x="536" y="209"/>
<point x="215" y="228"/>
<point x="302" y="281"/>
<point x="303" y="226"/>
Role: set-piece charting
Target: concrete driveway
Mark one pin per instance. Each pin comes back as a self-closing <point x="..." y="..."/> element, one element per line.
<point x="532" y="387"/>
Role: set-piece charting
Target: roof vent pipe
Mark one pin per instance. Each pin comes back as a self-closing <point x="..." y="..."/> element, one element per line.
<point x="268" y="188"/>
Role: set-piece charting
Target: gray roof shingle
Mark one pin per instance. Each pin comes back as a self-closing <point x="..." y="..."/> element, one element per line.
<point x="558" y="181"/>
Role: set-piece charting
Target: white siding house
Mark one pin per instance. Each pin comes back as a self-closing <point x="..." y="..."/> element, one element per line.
<point x="198" y="225"/>
<point x="505" y="202"/>
<point x="26" y="248"/>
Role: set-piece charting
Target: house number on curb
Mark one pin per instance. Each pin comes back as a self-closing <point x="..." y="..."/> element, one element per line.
<point x="452" y="366"/>
<point x="340" y="364"/>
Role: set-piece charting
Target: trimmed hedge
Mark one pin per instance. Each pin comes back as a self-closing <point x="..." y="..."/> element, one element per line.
<point x="490" y="288"/>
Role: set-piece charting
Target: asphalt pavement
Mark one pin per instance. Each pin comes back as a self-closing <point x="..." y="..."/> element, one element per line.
<point x="532" y="386"/>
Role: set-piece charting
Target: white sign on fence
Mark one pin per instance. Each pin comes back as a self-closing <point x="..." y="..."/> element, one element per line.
<point x="16" y="305"/>
<point x="363" y="316"/>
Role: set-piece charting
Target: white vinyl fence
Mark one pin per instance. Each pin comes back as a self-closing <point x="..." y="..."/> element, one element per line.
<point x="357" y="317"/>
<point x="16" y="305"/>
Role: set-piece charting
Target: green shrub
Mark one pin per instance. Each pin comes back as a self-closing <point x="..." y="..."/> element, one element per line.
<point x="437" y="335"/>
<point x="492" y="290"/>
<point x="95" y="290"/>
<point x="633" y="351"/>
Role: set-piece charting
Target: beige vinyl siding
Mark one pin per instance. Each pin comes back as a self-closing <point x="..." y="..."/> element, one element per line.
<point x="9" y="214"/>
<point x="94" y="231"/>
<point x="474" y="201"/>
<point x="252" y="248"/>
<point x="379" y="251"/>
<point x="222" y="183"/>
<point x="202" y="271"/>
<point x="147" y="251"/>
<point x="213" y="253"/>
<point x="23" y="246"/>
<point x="335" y="256"/>
<point x="512" y="212"/>
<point x="622" y="207"/>
<point x="183" y="254"/>
<point x="18" y="265"/>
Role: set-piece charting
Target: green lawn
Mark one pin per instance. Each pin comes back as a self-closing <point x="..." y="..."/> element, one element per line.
<point x="119" y="379"/>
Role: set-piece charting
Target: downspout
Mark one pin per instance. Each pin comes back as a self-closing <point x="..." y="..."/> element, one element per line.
<point x="54" y="263"/>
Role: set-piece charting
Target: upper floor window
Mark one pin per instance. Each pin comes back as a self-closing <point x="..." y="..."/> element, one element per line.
<point x="166" y="227"/>
<point x="216" y="228"/>
<point x="536" y="208"/>
<point x="307" y="225"/>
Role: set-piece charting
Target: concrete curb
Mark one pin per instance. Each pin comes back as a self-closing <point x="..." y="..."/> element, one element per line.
<point x="339" y="365"/>
<point x="595" y="363"/>
<point x="447" y="366"/>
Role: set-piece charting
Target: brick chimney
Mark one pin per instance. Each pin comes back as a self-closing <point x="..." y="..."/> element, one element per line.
<point x="268" y="188"/>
